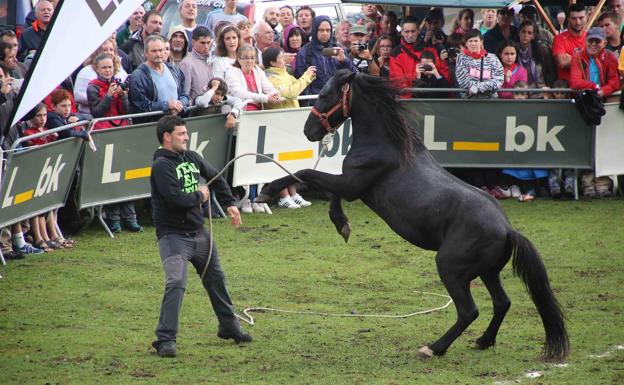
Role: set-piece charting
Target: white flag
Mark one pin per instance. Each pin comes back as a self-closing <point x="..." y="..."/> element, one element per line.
<point x="78" y="29"/>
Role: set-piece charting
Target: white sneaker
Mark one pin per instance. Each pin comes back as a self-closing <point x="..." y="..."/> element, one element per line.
<point x="257" y="207"/>
<point x="287" y="203"/>
<point x="247" y="207"/>
<point x="515" y="191"/>
<point x="300" y="201"/>
<point x="267" y="209"/>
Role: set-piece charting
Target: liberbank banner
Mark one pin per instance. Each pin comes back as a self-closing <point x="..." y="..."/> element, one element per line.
<point x="459" y="133"/>
<point x="37" y="179"/>
<point x="120" y="168"/>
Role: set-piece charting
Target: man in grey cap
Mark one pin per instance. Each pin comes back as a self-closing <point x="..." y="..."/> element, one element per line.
<point x="359" y="53"/>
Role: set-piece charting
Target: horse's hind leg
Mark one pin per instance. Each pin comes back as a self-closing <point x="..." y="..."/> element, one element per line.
<point x="467" y="312"/>
<point x="338" y="217"/>
<point x="501" y="305"/>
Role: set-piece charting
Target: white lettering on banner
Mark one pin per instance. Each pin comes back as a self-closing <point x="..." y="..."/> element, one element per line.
<point x="429" y="135"/>
<point x="193" y="146"/>
<point x="48" y="179"/>
<point x="544" y="136"/>
<point x="8" y="198"/>
<point x="511" y="131"/>
<point x="107" y="175"/>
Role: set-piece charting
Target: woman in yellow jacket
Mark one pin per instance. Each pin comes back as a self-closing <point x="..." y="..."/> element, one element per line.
<point x="289" y="87"/>
<point x="274" y="61"/>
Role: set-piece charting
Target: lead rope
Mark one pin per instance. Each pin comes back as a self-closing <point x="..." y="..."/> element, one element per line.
<point x="246" y="316"/>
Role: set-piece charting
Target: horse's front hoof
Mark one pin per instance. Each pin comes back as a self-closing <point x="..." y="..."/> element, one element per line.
<point x="482" y="343"/>
<point x="424" y="353"/>
<point x="345" y="231"/>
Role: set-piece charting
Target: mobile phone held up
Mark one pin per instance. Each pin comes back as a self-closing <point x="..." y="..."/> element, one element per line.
<point x="330" y="51"/>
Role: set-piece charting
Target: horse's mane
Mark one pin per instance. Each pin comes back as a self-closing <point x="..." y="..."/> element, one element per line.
<point x="380" y="95"/>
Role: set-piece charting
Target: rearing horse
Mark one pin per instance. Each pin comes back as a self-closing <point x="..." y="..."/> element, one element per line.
<point x="391" y="171"/>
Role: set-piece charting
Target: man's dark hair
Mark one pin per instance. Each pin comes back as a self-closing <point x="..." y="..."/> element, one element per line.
<point x="7" y="32"/>
<point x="303" y="8"/>
<point x="167" y="123"/>
<point x="409" y="20"/>
<point x="201" y="31"/>
<point x="427" y="55"/>
<point x="454" y="40"/>
<point x="3" y="47"/>
<point x="577" y="7"/>
<point x="149" y="14"/>
<point x="270" y="55"/>
<point x="222" y="88"/>
<point x="392" y="16"/>
<point x="472" y="33"/>
<point x="289" y="7"/>
<point x="608" y="15"/>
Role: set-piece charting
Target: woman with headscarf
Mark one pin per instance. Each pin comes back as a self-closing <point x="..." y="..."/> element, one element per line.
<point x="294" y="38"/>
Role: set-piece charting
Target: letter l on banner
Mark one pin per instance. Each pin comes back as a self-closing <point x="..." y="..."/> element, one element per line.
<point x="77" y="29"/>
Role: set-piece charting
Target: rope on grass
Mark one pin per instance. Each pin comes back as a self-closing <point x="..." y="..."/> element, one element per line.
<point x="250" y="320"/>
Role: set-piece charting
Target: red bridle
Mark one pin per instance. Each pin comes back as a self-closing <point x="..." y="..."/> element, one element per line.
<point x="344" y="103"/>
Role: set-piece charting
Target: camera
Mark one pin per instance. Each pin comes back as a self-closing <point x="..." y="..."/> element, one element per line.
<point x="330" y="51"/>
<point x="427" y="67"/>
<point x="362" y="47"/>
<point x="122" y="85"/>
<point x="452" y="52"/>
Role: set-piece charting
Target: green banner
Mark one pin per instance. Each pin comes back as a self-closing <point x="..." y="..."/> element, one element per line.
<point x="120" y="168"/>
<point x="503" y="133"/>
<point x="37" y="179"/>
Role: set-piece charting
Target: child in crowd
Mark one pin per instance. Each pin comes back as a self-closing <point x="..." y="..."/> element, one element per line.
<point x="217" y="95"/>
<point x="520" y="85"/>
<point x="507" y="53"/>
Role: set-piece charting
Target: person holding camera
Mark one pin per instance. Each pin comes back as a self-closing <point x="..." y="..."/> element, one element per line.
<point x="361" y="56"/>
<point x="427" y="76"/>
<point x="433" y="35"/>
<point x="107" y="95"/>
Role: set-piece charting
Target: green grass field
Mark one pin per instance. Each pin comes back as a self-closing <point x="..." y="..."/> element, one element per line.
<point x="87" y="316"/>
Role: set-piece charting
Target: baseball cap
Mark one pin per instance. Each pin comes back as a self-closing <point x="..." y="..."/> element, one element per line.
<point x="358" y="30"/>
<point x="596" y="33"/>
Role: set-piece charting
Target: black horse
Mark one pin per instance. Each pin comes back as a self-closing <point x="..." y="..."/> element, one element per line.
<point x="391" y="171"/>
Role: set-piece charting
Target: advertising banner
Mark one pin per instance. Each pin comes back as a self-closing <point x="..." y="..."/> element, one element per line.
<point x="120" y="168"/>
<point x="610" y="142"/>
<point x="37" y="179"/>
<point x="459" y="133"/>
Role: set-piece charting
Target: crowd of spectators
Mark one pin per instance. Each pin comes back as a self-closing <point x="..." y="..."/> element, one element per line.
<point x="224" y="60"/>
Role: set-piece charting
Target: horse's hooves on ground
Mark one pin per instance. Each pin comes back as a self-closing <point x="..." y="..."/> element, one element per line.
<point x="424" y="353"/>
<point x="346" y="232"/>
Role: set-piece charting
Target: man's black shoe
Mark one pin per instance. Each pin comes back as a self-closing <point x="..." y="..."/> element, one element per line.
<point x="238" y="337"/>
<point x="167" y="349"/>
<point x="13" y="255"/>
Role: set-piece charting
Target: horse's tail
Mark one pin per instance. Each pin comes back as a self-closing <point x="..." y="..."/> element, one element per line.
<point x="527" y="264"/>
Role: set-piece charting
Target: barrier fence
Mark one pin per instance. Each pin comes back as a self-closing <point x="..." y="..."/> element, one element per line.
<point x="501" y="133"/>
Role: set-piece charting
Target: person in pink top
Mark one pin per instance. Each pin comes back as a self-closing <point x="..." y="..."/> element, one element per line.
<point x="567" y="43"/>
<point x="507" y="53"/>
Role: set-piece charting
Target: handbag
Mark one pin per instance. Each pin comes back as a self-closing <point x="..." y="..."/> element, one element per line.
<point x="590" y="105"/>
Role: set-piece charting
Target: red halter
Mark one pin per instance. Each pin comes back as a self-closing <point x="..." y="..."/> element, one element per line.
<point x="344" y="103"/>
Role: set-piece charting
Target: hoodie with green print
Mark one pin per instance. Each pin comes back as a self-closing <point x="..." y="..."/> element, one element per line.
<point x="176" y="201"/>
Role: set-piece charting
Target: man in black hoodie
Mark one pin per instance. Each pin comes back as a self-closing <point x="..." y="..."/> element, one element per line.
<point x="176" y="200"/>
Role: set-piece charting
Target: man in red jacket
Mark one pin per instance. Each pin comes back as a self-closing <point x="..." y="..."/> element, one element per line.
<point x="405" y="57"/>
<point x="593" y="67"/>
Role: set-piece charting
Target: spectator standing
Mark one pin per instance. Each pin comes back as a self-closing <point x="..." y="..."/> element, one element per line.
<point x="464" y="21"/>
<point x="228" y="13"/>
<point x="405" y="57"/>
<point x="88" y="73"/>
<point x="37" y="124"/>
<point x="562" y="23"/>
<point x="312" y="55"/>
<point x="132" y="25"/>
<point x="427" y="76"/>
<point x="31" y="37"/>
<point x="360" y="55"/>
<point x="568" y="42"/>
<point x="289" y="88"/>
<point x="246" y="30"/>
<point x="381" y="55"/>
<point x="197" y="66"/>
<point x="156" y="85"/>
<point x="504" y="30"/>
<point x="617" y="7"/>
<point x="176" y="198"/>
<point x="542" y="35"/>
<point x="389" y="24"/>
<point x="179" y="46"/>
<point x="271" y="16"/>
<point x="286" y="17"/>
<point x="106" y="94"/>
<point x="304" y="17"/>
<point x="343" y="34"/>
<point x="188" y="15"/>
<point x="217" y="94"/>
<point x="9" y="62"/>
<point x="477" y="71"/>
<point x="488" y="20"/>
<point x="263" y="35"/>
<point x="514" y="72"/>
<point x="371" y="15"/>
<point x="433" y="35"/>
<point x="61" y="115"/>
<point x="535" y="57"/>
<point x="228" y="41"/>
<point x="134" y="47"/>
<point x="294" y="39"/>
<point x="608" y="22"/>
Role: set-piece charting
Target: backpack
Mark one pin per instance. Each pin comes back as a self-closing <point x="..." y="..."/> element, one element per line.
<point x="589" y="104"/>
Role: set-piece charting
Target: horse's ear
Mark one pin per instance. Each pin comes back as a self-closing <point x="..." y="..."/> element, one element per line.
<point x="344" y="76"/>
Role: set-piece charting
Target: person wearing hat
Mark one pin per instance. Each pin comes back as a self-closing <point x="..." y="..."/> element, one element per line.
<point x="433" y="35"/>
<point x="568" y="42"/>
<point x="358" y="51"/>
<point x="529" y="12"/>
<point x="504" y="30"/>
<point x="593" y="67"/>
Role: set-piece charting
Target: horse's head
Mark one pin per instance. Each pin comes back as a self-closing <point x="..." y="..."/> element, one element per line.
<point x="331" y="108"/>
